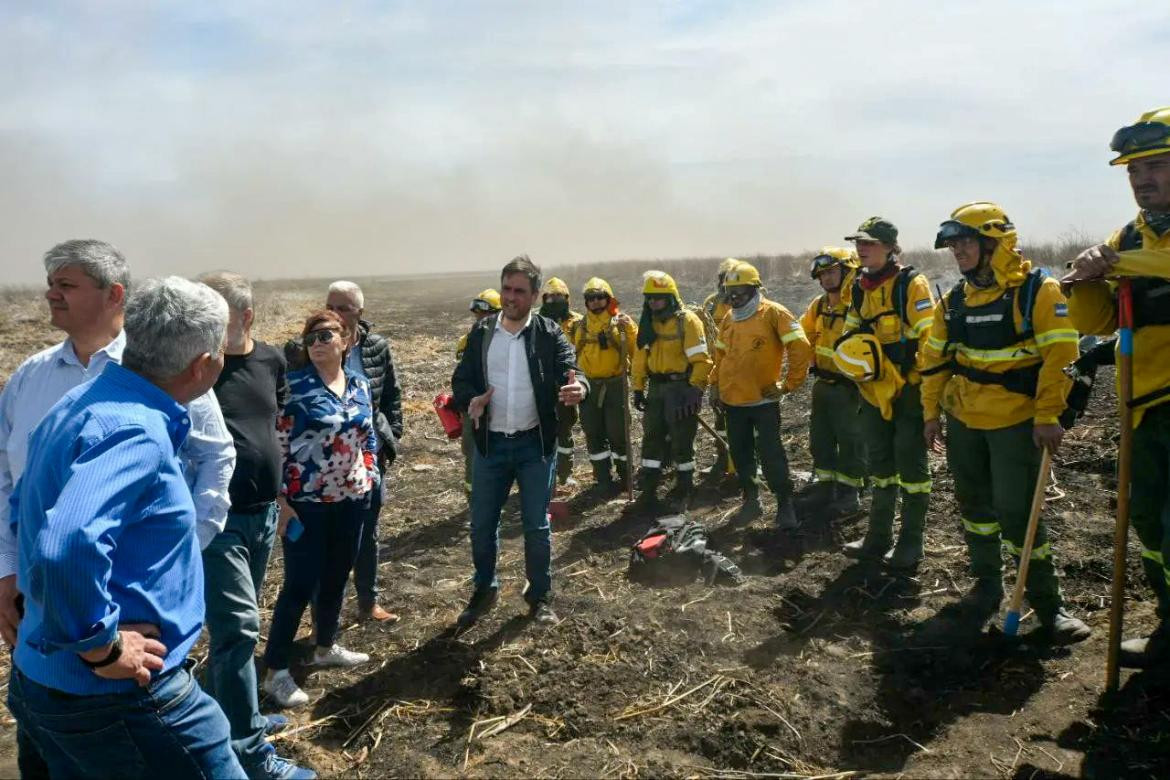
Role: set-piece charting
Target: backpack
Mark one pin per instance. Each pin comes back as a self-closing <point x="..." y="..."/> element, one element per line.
<point x="902" y="352"/>
<point x="674" y="552"/>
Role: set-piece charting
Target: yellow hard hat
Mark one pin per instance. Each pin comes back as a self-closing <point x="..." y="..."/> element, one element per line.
<point x="742" y="275"/>
<point x="859" y="357"/>
<point x="659" y="283"/>
<point x="831" y="256"/>
<point x="980" y="218"/>
<point x="556" y="286"/>
<point x="597" y="285"/>
<point x="488" y="300"/>
<point x="1147" y="137"/>
<point x="727" y="265"/>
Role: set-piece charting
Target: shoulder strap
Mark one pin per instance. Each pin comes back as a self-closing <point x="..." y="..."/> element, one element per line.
<point x="858" y="294"/>
<point x="1131" y="237"/>
<point x="901" y="291"/>
<point x="1027" y="303"/>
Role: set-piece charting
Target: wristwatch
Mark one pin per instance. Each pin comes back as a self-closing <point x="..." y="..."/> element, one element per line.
<point x="114" y="655"/>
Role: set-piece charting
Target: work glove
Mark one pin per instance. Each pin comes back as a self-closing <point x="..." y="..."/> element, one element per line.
<point x="690" y="403"/>
<point x="640" y="400"/>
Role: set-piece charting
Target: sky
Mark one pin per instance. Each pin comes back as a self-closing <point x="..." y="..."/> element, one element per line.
<point x="292" y="138"/>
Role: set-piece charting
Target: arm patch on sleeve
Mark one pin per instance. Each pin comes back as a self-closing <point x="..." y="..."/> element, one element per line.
<point x="923" y="304"/>
<point x="1060" y="309"/>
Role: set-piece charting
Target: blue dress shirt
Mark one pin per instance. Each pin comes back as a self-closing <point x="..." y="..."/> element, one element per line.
<point x="106" y="531"/>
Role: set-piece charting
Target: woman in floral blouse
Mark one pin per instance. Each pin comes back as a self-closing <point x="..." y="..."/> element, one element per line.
<point x="327" y="435"/>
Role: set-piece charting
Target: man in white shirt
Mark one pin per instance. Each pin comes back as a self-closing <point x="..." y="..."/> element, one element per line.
<point x="516" y="368"/>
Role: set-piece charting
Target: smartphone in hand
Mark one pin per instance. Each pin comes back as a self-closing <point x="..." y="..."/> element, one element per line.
<point x="294" y="529"/>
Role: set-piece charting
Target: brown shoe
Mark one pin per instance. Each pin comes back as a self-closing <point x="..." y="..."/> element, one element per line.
<point x="378" y="614"/>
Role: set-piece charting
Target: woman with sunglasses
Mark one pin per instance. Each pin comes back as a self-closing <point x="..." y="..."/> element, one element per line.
<point x="327" y="435"/>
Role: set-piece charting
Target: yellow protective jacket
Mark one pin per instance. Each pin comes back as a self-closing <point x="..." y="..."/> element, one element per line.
<point x="1051" y="347"/>
<point x="823" y="324"/>
<point x="569" y="324"/>
<point x="460" y="347"/>
<point x="1093" y="308"/>
<point x="621" y="342"/>
<point x="877" y="313"/>
<point x="715" y="308"/>
<point x="680" y="342"/>
<point x="750" y="355"/>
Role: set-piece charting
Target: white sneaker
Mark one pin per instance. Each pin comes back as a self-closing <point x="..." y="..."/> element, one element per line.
<point x="338" y="656"/>
<point x="283" y="689"/>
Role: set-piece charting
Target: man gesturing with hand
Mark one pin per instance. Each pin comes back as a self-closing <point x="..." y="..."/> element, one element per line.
<point x="516" y="367"/>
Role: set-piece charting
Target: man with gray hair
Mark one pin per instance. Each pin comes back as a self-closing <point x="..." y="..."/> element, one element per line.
<point x="108" y="550"/>
<point x="87" y="285"/>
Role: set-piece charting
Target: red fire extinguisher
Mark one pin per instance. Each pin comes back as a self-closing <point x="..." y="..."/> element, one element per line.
<point x="452" y="421"/>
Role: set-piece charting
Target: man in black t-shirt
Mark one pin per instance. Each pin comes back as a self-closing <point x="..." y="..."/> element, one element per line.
<point x="251" y="391"/>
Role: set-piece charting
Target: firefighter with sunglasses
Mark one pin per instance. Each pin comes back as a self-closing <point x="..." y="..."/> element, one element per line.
<point x="1144" y="149"/>
<point x="487" y="302"/>
<point x="715" y="308"/>
<point x="554" y="304"/>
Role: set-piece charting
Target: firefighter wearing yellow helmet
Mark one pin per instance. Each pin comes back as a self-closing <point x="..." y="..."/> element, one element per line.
<point x="994" y="362"/>
<point x="894" y="303"/>
<point x="1144" y="149"/>
<point x="670" y="377"/>
<point x="605" y="342"/>
<point x="554" y="304"/>
<point x="714" y="309"/>
<point x="757" y="340"/>
<point x="834" y="431"/>
<point x="482" y="305"/>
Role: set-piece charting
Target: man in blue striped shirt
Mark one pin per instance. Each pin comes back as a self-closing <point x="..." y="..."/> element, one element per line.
<point x="109" y="561"/>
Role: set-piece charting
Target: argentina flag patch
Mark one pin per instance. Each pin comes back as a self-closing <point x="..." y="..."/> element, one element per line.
<point x="1060" y="309"/>
<point x="922" y="305"/>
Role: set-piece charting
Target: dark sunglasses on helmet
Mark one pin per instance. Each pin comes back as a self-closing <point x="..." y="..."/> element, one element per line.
<point x="479" y="304"/>
<point x="592" y="296"/>
<point x="1139" y="137"/>
<point x="822" y="263"/>
<point x="325" y="335"/>
<point x="952" y="230"/>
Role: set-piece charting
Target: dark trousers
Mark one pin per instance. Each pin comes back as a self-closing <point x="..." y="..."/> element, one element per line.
<point x="1149" y="508"/>
<point x="365" y="569"/>
<point x="666" y="438"/>
<point x="319" y="560"/>
<point x="834" y="433"/>
<point x="756" y="429"/>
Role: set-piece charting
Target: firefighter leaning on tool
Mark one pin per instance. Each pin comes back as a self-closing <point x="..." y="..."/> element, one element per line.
<point x="756" y="339"/>
<point x="554" y="304"/>
<point x="894" y="303"/>
<point x="670" y="378"/>
<point x="487" y="302"/>
<point x="994" y="362"/>
<point x="834" y="430"/>
<point x="1144" y="148"/>
<point x="605" y="342"/>
<point x="715" y="308"/>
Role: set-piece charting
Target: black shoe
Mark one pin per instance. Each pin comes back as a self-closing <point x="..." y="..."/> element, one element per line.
<point x="813" y="495"/>
<point x="845" y="503"/>
<point x="786" y="521"/>
<point x="981" y="603"/>
<point x="1061" y="628"/>
<point x="1147" y="651"/>
<point x="541" y="612"/>
<point x="749" y="510"/>
<point x="481" y="603"/>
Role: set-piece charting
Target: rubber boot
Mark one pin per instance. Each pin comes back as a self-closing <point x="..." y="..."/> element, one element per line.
<point x="880" y="532"/>
<point x="680" y="495"/>
<point x="622" y="467"/>
<point x="1060" y="628"/>
<point x="907" y="553"/>
<point x="845" y="503"/>
<point x="1148" y="651"/>
<point x="750" y="509"/>
<point x="814" y="495"/>
<point x="786" y="521"/>
<point x="714" y="475"/>
<point x="648" y="498"/>
<point x="981" y="603"/>
<point x="564" y="469"/>
<point x="603" y="479"/>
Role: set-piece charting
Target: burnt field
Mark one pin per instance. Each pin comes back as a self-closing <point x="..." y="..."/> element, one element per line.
<point x="813" y="667"/>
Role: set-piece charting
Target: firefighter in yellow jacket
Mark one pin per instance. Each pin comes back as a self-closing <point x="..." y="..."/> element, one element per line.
<point x="894" y="303"/>
<point x="605" y="340"/>
<point x="994" y="362"/>
<point x="487" y="302"/>
<point x="834" y="429"/>
<point x="670" y="378"/>
<point x="554" y="304"/>
<point x="715" y="308"/>
<point x="756" y="339"/>
<point x="1144" y="149"/>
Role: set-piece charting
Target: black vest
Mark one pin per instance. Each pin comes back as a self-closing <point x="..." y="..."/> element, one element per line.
<point x="1151" y="296"/>
<point x="904" y="351"/>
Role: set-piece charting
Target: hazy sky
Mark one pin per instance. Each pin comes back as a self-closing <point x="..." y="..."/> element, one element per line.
<point x="293" y="138"/>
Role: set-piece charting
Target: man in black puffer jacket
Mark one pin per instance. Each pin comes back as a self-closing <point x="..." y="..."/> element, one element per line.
<point x="369" y="356"/>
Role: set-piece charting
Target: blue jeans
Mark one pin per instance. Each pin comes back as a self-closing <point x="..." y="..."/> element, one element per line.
<point x="169" y="729"/>
<point x="520" y="459"/>
<point x="317" y="563"/>
<point x="233" y="576"/>
<point x="365" y="569"/>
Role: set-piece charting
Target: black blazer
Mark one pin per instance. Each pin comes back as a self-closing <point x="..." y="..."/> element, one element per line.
<point x="550" y="358"/>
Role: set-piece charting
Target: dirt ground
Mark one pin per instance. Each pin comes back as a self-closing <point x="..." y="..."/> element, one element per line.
<point x="813" y="667"/>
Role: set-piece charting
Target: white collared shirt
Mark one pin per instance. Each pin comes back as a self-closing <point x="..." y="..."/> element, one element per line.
<point x="513" y="404"/>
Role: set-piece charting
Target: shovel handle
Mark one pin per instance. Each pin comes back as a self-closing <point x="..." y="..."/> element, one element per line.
<point x="1124" y="471"/>
<point x="1010" y="625"/>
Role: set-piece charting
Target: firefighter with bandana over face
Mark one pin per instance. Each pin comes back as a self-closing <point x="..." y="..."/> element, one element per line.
<point x="834" y="434"/>
<point x="994" y="363"/>
<point x="1144" y="149"/>
<point x="670" y="378"/>
<point x="755" y="340"/>
<point x="606" y="341"/>
<point x="715" y="308"/>
<point x="893" y="303"/>
<point x="487" y="302"/>
<point x="554" y="304"/>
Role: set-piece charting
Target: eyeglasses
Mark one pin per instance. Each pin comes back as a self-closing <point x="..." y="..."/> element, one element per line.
<point x="596" y="297"/>
<point x="1139" y="137"/>
<point x="325" y="335"/>
<point x="344" y="308"/>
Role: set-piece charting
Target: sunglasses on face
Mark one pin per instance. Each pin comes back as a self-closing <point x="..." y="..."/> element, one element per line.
<point x="1136" y="138"/>
<point x="344" y="308"/>
<point x="324" y="336"/>
<point x="596" y="297"/>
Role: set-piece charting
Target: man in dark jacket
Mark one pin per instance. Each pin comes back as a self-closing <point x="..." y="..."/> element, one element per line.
<point x="369" y="356"/>
<point x="516" y="367"/>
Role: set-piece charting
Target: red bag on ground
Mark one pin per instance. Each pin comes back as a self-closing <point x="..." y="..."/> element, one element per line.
<point x="452" y="421"/>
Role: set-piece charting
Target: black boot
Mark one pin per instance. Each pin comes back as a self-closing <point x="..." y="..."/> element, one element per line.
<point x="845" y="503"/>
<point x="1060" y="628"/>
<point x="750" y="509"/>
<point x="648" y="498"/>
<point x="786" y="521"/>
<point x="981" y="603"/>
<point x="603" y="478"/>
<point x="814" y="495"/>
<point x="481" y="603"/>
<point x="1147" y="651"/>
<point x="680" y="495"/>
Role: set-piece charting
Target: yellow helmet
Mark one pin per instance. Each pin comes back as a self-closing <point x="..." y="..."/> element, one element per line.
<point x="859" y="357"/>
<point x="727" y="265"/>
<point x="1147" y="137"/>
<point x="831" y="256"/>
<point x="556" y="286"/>
<point x="741" y="275"/>
<point x="980" y="218"/>
<point x="597" y="285"/>
<point x="488" y="300"/>
<point x="659" y="283"/>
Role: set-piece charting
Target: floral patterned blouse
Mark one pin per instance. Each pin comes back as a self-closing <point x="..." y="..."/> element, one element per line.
<point x="328" y="442"/>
